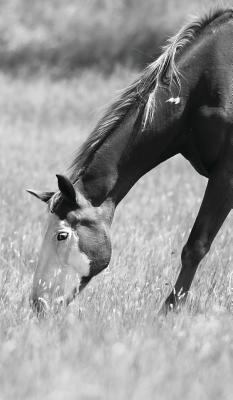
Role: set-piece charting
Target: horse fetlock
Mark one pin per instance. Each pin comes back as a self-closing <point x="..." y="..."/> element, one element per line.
<point x="174" y="301"/>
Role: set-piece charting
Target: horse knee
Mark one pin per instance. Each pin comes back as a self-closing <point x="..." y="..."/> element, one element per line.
<point x="193" y="253"/>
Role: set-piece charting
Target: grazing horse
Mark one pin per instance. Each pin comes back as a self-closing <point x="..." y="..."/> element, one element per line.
<point x="182" y="103"/>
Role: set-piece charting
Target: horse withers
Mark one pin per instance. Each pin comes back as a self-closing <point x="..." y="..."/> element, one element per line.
<point x="182" y="103"/>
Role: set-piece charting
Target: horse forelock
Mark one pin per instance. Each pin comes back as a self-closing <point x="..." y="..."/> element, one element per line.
<point x="53" y="202"/>
<point x="59" y="206"/>
<point x="144" y="90"/>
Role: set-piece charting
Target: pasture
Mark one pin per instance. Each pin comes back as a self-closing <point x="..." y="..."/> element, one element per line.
<point x="111" y="343"/>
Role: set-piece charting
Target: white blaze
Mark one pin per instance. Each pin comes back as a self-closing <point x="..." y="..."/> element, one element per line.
<point x="61" y="266"/>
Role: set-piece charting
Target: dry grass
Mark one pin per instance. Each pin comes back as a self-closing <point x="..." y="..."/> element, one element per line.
<point x="110" y="344"/>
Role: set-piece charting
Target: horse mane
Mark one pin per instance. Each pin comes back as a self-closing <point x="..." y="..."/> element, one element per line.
<point x="142" y="92"/>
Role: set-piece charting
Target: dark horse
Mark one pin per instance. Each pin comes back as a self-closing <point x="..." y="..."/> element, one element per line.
<point x="182" y="103"/>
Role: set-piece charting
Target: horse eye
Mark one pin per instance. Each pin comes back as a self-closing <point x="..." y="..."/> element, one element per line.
<point x="62" y="235"/>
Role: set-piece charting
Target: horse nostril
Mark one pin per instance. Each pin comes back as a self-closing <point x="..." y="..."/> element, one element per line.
<point x="60" y="301"/>
<point x="39" y="306"/>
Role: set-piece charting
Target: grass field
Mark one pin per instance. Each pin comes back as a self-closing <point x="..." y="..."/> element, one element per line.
<point x="110" y="344"/>
<point x="62" y="36"/>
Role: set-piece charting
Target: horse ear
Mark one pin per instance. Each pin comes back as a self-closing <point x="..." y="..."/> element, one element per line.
<point x="44" y="196"/>
<point x="66" y="188"/>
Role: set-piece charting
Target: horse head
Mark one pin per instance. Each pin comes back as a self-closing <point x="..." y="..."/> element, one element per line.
<point x="76" y="246"/>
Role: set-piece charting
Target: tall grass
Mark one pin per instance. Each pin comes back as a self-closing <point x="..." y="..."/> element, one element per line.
<point x="67" y="35"/>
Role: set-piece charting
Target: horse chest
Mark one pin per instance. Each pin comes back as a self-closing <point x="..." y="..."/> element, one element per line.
<point x="206" y="139"/>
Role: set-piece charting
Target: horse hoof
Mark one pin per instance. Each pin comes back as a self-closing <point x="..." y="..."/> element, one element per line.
<point x="166" y="308"/>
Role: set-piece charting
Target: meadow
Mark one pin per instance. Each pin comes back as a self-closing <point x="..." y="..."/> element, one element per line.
<point x="110" y="343"/>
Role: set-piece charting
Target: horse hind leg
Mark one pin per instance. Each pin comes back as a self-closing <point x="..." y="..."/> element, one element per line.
<point x="216" y="205"/>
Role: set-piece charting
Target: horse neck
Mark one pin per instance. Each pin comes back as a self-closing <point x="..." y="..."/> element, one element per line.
<point x="127" y="154"/>
<point x="129" y="151"/>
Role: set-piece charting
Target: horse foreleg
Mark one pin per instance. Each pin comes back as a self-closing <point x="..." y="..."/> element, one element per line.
<point x="216" y="205"/>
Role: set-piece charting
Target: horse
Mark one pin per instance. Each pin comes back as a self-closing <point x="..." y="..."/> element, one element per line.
<point x="182" y="103"/>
